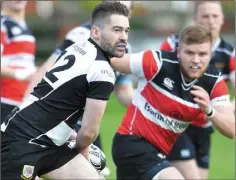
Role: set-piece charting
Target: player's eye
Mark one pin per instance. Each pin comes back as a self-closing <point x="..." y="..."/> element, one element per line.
<point x="117" y="30"/>
<point x="202" y="54"/>
<point x="189" y="52"/>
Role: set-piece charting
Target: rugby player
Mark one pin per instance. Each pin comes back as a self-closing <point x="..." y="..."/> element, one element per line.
<point x="191" y="153"/>
<point x="17" y="55"/>
<point x="36" y="133"/>
<point x="174" y="88"/>
<point x="124" y="83"/>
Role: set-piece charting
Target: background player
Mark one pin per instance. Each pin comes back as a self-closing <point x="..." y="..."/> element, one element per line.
<point x="190" y="89"/>
<point x="78" y="84"/>
<point x="17" y="55"/>
<point x="191" y="153"/>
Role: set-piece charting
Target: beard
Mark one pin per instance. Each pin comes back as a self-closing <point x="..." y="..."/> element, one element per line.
<point x="190" y="77"/>
<point x="109" y="48"/>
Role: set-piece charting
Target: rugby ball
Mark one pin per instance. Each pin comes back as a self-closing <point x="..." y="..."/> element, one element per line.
<point x="97" y="158"/>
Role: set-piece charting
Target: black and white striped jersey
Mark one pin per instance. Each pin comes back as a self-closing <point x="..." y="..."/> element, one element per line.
<point x="49" y="115"/>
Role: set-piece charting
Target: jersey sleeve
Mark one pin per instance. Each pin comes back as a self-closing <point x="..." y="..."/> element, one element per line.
<point x="232" y="68"/>
<point x="76" y="34"/>
<point x="169" y="44"/>
<point x="219" y="94"/>
<point x="3" y="37"/>
<point x="145" y="64"/>
<point x="165" y="46"/>
<point x="101" y="79"/>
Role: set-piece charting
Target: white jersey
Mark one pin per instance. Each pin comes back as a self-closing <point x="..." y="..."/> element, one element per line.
<point x="50" y="113"/>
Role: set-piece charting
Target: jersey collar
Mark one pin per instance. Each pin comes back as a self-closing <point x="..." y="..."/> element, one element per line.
<point x="105" y="54"/>
<point x="216" y="45"/>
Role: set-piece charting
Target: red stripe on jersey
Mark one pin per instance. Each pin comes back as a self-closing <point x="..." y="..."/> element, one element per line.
<point x="220" y="89"/>
<point x="165" y="46"/>
<point x="232" y="64"/>
<point x="200" y="121"/>
<point x="169" y="106"/>
<point x="136" y="124"/>
<point x="3" y="38"/>
<point x="20" y="47"/>
<point x="13" y="89"/>
<point x="149" y="65"/>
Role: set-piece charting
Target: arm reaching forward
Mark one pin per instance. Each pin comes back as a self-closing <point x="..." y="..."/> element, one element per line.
<point x="90" y="126"/>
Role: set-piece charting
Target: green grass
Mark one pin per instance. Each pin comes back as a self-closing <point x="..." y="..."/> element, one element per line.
<point x="222" y="150"/>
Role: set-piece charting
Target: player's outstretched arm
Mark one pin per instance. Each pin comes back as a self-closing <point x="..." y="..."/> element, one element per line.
<point x="93" y="113"/>
<point x="124" y="93"/>
<point x="224" y="120"/>
<point x="122" y="64"/>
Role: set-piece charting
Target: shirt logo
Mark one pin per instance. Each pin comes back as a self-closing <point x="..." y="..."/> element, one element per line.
<point x="71" y="144"/>
<point x="27" y="172"/>
<point x="168" y="83"/>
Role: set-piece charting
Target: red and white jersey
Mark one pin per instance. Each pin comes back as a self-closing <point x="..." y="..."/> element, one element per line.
<point x="17" y="52"/>
<point x="162" y="106"/>
<point x="223" y="59"/>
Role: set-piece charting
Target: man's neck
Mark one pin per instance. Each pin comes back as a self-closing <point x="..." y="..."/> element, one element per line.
<point x="19" y="16"/>
<point x="214" y="40"/>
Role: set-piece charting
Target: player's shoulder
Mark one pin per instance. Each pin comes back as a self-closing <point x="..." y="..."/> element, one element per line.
<point x="84" y="48"/>
<point x="211" y="74"/>
<point x="225" y="47"/>
<point x="78" y="33"/>
<point x="13" y="29"/>
<point x="173" y="41"/>
<point x="209" y="78"/>
<point x="7" y="23"/>
<point x="6" y="20"/>
<point x="168" y="57"/>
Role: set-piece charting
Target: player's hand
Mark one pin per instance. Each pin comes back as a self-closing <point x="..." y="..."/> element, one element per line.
<point x="73" y="136"/>
<point x="202" y="98"/>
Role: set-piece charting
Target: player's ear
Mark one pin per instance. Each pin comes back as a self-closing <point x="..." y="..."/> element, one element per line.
<point x="95" y="33"/>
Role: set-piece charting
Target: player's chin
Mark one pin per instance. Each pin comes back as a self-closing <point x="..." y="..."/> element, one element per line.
<point x="195" y="75"/>
<point x="119" y="54"/>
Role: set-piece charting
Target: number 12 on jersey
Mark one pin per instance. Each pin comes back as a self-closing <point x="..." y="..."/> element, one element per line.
<point x="68" y="62"/>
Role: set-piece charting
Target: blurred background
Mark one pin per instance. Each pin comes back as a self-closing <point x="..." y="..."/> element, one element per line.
<point x="151" y="23"/>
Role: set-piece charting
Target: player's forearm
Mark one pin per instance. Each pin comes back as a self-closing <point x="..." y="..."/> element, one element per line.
<point x="225" y="123"/>
<point x="124" y="95"/>
<point x="93" y="113"/>
<point x="121" y="64"/>
<point x="85" y="137"/>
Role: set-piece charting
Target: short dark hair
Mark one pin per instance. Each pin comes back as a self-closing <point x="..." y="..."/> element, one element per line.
<point x="106" y="9"/>
<point x="195" y="34"/>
